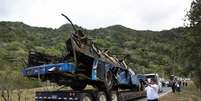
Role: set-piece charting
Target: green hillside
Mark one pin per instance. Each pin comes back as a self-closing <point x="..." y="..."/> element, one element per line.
<point x="149" y="51"/>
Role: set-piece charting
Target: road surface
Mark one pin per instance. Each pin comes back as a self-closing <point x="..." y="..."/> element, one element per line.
<point x="166" y="90"/>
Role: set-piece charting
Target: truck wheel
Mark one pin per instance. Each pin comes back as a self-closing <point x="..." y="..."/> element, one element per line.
<point x="85" y="97"/>
<point x="101" y="96"/>
<point x="108" y="80"/>
<point x="78" y="85"/>
<point x="114" y="96"/>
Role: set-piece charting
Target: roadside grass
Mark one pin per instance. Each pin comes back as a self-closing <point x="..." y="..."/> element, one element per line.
<point x="189" y="93"/>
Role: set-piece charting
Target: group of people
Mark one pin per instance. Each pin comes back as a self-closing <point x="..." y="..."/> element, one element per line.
<point x="152" y="88"/>
<point x="177" y="84"/>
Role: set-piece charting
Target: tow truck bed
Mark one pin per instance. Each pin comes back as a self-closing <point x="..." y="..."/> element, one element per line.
<point x="65" y="95"/>
<point x="92" y="94"/>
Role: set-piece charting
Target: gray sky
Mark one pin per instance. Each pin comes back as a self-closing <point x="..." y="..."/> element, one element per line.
<point x="90" y="14"/>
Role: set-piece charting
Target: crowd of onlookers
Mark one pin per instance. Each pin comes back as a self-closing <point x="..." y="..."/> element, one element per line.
<point x="176" y="85"/>
<point x="154" y="84"/>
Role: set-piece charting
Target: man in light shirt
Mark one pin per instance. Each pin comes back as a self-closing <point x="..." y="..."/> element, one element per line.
<point x="152" y="91"/>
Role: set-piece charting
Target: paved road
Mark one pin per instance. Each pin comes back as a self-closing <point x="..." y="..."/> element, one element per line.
<point x="166" y="90"/>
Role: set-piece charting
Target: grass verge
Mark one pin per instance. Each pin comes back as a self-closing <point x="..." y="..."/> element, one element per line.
<point x="189" y="93"/>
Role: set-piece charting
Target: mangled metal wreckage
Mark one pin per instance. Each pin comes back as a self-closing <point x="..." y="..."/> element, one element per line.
<point x="83" y="64"/>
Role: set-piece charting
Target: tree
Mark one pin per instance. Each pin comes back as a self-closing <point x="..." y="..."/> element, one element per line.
<point x="193" y="44"/>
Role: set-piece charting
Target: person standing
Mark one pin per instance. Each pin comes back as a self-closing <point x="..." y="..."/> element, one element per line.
<point x="177" y="86"/>
<point x="152" y="91"/>
<point x="173" y="86"/>
<point x="183" y="83"/>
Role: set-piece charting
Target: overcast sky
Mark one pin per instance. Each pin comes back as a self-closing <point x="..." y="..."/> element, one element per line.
<point x="90" y="14"/>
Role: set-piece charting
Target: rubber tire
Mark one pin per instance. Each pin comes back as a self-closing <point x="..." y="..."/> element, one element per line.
<point x="86" y="97"/>
<point x="114" y="96"/>
<point x="101" y="96"/>
<point x="108" y="80"/>
<point x="78" y="85"/>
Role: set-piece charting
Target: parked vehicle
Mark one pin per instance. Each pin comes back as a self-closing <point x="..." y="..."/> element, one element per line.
<point x="162" y="80"/>
<point x="156" y="77"/>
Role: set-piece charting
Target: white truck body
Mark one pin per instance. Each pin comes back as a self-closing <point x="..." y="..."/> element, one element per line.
<point x="156" y="77"/>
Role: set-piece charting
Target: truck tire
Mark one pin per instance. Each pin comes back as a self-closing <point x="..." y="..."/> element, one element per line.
<point x="114" y="96"/>
<point x="78" y="85"/>
<point x="108" y="80"/>
<point x="85" y="97"/>
<point x="101" y="96"/>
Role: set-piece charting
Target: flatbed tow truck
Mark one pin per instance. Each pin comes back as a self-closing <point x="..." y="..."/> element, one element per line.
<point x="84" y="64"/>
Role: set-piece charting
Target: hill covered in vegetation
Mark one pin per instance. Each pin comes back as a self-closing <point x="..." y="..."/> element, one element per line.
<point x="149" y="51"/>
